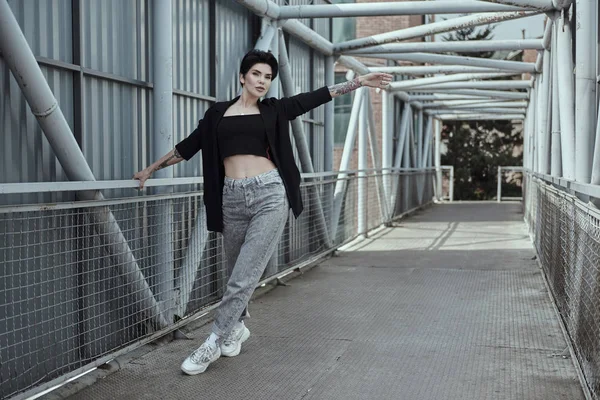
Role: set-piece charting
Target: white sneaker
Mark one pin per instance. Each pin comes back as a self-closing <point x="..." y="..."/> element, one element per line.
<point x="200" y="359"/>
<point x="232" y="345"/>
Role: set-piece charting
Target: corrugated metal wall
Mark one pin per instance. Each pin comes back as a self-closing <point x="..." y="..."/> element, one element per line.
<point x="102" y="79"/>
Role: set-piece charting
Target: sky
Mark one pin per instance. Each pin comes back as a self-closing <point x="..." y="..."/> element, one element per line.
<point x="534" y="26"/>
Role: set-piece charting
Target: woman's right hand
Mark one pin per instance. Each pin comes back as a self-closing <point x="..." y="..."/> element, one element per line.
<point x="142" y="176"/>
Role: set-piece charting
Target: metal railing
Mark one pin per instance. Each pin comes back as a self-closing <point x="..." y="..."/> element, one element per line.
<point x="69" y="304"/>
<point x="566" y="235"/>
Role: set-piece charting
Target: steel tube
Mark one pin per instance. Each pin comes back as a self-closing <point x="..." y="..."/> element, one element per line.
<point x="449" y="97"/>
<point x="539" y="4"/>
<point x="456" y="47"/>
<point x="427" y="141"/>
<point x="300" y="139"/>
<point x="498" y="110"/>
<point x="497" y="94"/>
<point x="162" y="111"/>
<point x="386" y="139"/>
<point x="431" y="29"/>
<point x="262" y="8"/>
<point x="586" y="38"/>
<point x="556" y="160"/>
<point x="375" y="158"/>
<point x="308" y="36"/>
<point x="267" y="33"/>
<point x="329" y="116"/>
<point x="435" y="69"/>
<point x="518" y="66"/>
<point x="544" y="129"/>
<point x="438" y="159"/>
<point x="492" y="85"/>
<point x="566" y="95"/>
<point x="480" y="117"/>
<point x="411" y="83"/>
<point x="340" y="184"/>
<point x="362" y="165"/>
<point x="18" y="56"/>
<point x="476" y="104"/>
<point x="390" y="8"/>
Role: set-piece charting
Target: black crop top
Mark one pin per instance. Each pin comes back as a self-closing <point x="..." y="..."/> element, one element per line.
<point x="242" y="134"/>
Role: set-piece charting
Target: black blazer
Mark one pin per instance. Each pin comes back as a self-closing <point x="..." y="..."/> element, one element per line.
<point x="276" y="114"/>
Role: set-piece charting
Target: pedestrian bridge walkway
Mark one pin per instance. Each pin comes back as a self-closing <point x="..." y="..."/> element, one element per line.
<point x="446" y="304"/>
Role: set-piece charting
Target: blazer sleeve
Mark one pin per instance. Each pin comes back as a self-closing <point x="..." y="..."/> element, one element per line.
<point x="304" y="102"/>
<point x="189" y="146"/>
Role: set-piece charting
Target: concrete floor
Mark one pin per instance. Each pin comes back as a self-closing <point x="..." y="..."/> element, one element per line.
<point x="448" y="304"/>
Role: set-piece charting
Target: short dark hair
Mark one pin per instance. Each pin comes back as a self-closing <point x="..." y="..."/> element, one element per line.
<point x="254" y="57"/>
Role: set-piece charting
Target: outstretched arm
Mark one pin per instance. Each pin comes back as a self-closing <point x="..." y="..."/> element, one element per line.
<point x="375" y="80"/>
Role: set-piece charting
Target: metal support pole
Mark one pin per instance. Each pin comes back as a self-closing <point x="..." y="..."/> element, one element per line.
<point x="411" y="83"/>
<point x="544" y="129"/>
<point x="328" y="140"/>
<point x="267" y="32"/>
<point x="566" y="94"/>
<point x="376" y="159"/>
<point x="400" y="152"/>
<point x="493" y="85"/>
<point x="362" y="202"/>
<point x="419" y="148"/>
<point x="431" y="29"/>
<point x="390" y="8"/>
<point x="518" y="66"/>
<point x="438" y="159"/>
<point x="556" y="160"/>
<point x="162" y="111"/>
<point x="18" y="56"/>
<point x="539" y="4"/>
<point x="585" y="88"/>
<point x="386" y="139"/>
<point x="274" y="47"/>
<point x="479" y="104"/>
<point x="455" y="47"/>
<point x="499" y="191"/>
<point x="341" y="182"/>
<point x="427" y="142"/>
<point x="495" y="94"/>
<point x="300" y="140"/>
<point x="436" y="69"/>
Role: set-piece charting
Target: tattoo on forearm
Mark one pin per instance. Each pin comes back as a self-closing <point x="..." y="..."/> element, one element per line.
<point x="345" y="87"/>
<point x="166" y="162"/>
<point x="176" y="153"/>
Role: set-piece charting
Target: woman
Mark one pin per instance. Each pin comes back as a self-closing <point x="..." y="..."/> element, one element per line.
<point x="250" y="182"/>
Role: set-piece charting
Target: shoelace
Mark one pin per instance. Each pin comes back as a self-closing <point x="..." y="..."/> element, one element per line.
<point x="202" y="353"/>
<point x="231" y="339"/>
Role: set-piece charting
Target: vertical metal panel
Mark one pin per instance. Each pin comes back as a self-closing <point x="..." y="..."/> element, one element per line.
<point x="46" y="25"/>
<point x="234" y="39"/>
<point x="116" y="37"/>
<point x="117" y="130"/>
<point x="25" y="153"/>
<point x="191" y="46"/>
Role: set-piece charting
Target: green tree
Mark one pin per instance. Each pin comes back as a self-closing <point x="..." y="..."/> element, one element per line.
<point x="477" y="148"/>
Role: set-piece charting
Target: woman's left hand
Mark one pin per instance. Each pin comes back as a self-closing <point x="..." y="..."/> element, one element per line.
<point x="379" y="80"/>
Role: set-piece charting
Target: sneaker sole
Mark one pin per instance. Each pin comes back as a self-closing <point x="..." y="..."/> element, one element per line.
<point x="236" y="352"/>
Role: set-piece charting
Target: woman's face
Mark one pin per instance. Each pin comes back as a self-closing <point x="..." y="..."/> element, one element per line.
<point x="257" y="80"/>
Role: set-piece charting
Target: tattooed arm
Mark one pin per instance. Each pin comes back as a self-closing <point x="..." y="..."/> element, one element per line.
<point x="171" y="158"/>
<point x="375" y="80"/>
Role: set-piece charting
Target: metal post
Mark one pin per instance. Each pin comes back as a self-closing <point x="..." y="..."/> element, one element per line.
<point x="328" y="140"/>
<point x="400" y="146"/>
<point x="419" y="147"/>
<point x="544" y="81"/>
<point x="427" y="142"/>
<point x="438" y="158"/>
<point x="566" y="96"/>
<point x="585" y="88"/>
<point x="340" y="185"/>
<point x="386" y="140"/>
<point x="300" y="140"/>
<point x="24" y="67"/>
<point x="274" y="47"/>
<point x="499" y="191"/>
<point x="376" y="159"/>
<point x="433" y="28"/>
<point x="267" y="32"/>
<point x="556" y="160"/>
<point x="162" y="111"/>
<point x="362" y="203"/>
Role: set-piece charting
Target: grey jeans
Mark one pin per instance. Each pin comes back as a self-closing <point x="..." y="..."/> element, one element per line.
<point x="255" y="211"/>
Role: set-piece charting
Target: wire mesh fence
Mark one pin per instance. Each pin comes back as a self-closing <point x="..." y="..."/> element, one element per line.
<point x="566" y="233"/>
<point x="82" y="282"/>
